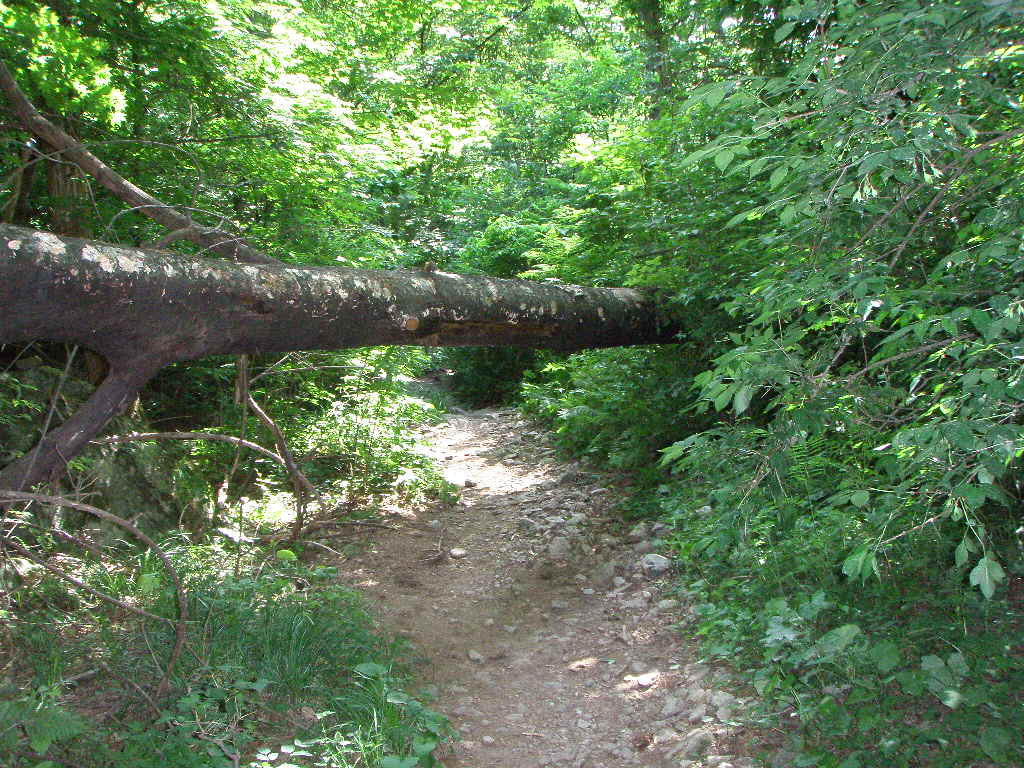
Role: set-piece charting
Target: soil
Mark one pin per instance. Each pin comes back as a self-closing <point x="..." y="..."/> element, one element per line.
<point x="545" y="640"/>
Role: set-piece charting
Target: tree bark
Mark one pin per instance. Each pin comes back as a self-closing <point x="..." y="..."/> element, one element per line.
<point x="143" y="310"/>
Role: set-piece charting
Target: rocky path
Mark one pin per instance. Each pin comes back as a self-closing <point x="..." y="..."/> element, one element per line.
<point x="547" y="630"/>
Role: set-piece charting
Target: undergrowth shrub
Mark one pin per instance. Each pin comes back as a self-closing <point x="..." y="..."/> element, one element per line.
<point x="282" y="662"/>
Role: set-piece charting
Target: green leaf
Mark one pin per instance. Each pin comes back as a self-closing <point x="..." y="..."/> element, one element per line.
<point x="723" y="398"/>
<point x="960" y="554"/>
<point x="741" y="400"/>
<point x="838" y="639"/>
<point x="422" y="746"/>
<point x="886" y="656"/>
<point x="986" y="574"/>
<point x="394" y="761"/>
<point x="287" y="556"/>
<point x="784" y="31"/>
<point x="723" y="158"/>
<point x="860" y="498"/>
<point x="778" y="176"/>
<point x="371" y="669"/>
<point x="739" y="217"/>
<point x="715" y="94"/>
<point x="149" y="583"/>
<point x="861" y="563"/>
<point x="996" y="742"/>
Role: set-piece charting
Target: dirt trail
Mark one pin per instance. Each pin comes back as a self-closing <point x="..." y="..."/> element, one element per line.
<point x="548" y="642"/>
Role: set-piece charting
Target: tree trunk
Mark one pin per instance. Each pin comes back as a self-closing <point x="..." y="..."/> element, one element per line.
<point x="143" y="310"/>
<point x="650" y="16"/>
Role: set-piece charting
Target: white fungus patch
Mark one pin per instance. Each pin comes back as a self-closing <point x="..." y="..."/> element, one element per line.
<point x="50" y="244"/>
<point x="14" y="245"/>
<point x="110" y="259"/>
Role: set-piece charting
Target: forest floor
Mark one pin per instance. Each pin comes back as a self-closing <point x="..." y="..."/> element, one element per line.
<point x="547" y="628"/>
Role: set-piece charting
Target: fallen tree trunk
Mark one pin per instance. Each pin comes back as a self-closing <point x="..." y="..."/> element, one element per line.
<point x="144" y="309"/>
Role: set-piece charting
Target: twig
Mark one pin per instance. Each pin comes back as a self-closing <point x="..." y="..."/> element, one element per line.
<point x="234" y="757"/>
<point x="929" y="521"/>
<point x="300" y="482"/>
<point x="214" y="436"/>
<point x="241" y="397"/>
<point x="180" y="625"/>
<point x="133" y="684"/>
<point x="909" y="353"/>
<point x="82" y="585"/>
<point x="324" y="547"/>
<point x="53" y="402"/>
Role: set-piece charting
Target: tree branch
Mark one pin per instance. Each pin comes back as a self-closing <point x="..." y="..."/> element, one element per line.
<point x="33" y="121"/>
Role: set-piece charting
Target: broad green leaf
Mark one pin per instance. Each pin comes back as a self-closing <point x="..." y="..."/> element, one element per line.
<point x="778" y="176"/>
<point x="886" y="656"/>
<point x="960" y="554"/>
<point x="715" y="94"/>
<point x="997" y="743"/>
<point x="860" y="498"/>
<point x="838" y="639"/>
<point x="986" y="574"/>
<point x="723" y="158"/>
<point x="723" y="398"/>
<point x="371" y="669"/>
<point x="741" y="401"/>
<point x="149" y="583"/>
<point x="394" y="761"/>
<point x="784" y="31"/>
<point x="739" y="217"/>
<point x="422" y="746"/>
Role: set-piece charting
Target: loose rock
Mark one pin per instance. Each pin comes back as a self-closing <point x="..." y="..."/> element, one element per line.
<point x="654" y="565"/>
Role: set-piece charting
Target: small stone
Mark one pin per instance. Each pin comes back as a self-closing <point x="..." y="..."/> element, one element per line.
<point x="665" y="734"/>
<point x="603" y="575"/>
<point x="667" y="605"/>
<point x="654" y="565"/>
<point x="643" y="547"/>
<point x="718" y="761"/>
<point x="560" y="548"/>
<point x="703" y="511"/>
<point x="475" y="656"/>
<point x="726" y="704"/>
<point x="435" y="524"/>
<point x="457" y="553"/>
<point x="673" y="706"/>
<point x="637" y="667"/>
<point x="618" y="582"/>
<point x="696" y="743"/>
<point x="783" y="759"/>
<point x="469" y="483"/>
<point x="488" y="740"/>
<point x="638" y="532"/>
<point x="648" y="679"/>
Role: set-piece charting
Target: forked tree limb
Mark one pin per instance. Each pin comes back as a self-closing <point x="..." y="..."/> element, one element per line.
<point x="219" y="242"/>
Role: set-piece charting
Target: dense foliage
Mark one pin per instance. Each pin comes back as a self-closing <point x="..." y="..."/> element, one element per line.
<point x="830" y="192"/>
